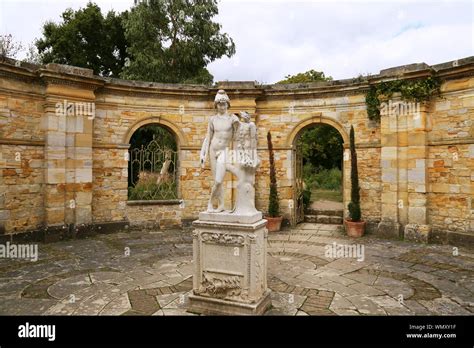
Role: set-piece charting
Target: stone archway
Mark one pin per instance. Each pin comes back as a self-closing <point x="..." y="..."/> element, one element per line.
<point x="297" y="211"/>
<point x="315" y="120"/>
<point x="180" y="137"/>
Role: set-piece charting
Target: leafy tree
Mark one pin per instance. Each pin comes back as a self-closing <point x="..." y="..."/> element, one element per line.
<point x="87" y="39"/>
<point x="8" y="47"/>
<point x="321" y="146"/>
<point x="173" y="41"/>
<point x="309" y="76"/>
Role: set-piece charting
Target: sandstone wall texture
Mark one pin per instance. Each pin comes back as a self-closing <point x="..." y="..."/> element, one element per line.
<point x="62" y="170"/>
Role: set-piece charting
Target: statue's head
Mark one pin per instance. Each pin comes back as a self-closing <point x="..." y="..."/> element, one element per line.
<point x="245" y="116"/>
<point x="222" y="101"/>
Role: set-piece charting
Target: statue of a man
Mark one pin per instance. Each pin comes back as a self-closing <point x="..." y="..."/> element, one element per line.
<point x="221" y="130"/>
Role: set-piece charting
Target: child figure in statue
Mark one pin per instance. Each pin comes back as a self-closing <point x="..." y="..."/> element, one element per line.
<point x="246" y="166"/>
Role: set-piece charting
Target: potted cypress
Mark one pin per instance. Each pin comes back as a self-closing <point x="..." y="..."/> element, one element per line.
<point x="273" y="219"/>
<point x="354" y="226"/>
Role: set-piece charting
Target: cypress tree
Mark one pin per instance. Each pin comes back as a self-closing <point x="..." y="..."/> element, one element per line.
<point x="273" y="205"/>
<point x="354" y="205"/>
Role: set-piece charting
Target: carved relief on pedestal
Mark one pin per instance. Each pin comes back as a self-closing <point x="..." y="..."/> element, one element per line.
<point x="222" y="286"/>
<point x="222" y="238"/>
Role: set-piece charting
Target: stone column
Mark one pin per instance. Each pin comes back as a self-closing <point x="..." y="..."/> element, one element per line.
<point x="417" y="228"/>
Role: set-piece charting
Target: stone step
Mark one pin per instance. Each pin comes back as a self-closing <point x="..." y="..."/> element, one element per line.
<point x="325" y="212"/>
<point x="324" y="219"/>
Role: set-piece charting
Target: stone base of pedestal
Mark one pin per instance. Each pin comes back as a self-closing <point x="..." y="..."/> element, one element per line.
<point x="214" y="306"/>
<point x="230" y="261"/>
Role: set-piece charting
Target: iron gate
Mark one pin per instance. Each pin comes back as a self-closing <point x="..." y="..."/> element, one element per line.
<point x="153" y="172"/>
<point x="298" y="184"/>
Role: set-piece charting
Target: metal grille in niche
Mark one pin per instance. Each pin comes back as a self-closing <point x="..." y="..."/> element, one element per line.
<point x="153" y="172"/>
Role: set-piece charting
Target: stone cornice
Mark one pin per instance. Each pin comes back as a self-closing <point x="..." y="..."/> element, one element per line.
<point x="83" y="78"/>
<point x="458" y="68"/>
<point x="313" y="90"/>
<point x="18" y="73"/>
<point x="31" y="95"/>
<point x="151" y="89"/>
<point x="56" y="78"/>
<point x="176" y="91"/>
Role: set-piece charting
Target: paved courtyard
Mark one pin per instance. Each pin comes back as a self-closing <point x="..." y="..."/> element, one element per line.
<point x="142" y="272"/>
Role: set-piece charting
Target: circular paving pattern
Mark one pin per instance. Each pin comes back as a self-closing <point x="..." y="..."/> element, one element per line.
<point x="139" y="272"/>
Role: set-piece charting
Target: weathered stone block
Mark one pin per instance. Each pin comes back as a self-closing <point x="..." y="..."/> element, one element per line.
<point x="417" y="233"/>
<point x="389" y="229"/>
<point x="417" y="215"/>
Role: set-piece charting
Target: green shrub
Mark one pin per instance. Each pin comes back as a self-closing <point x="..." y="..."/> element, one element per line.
<point x="325" y="179"/>
<point x="306" y="198"/>
<point x="153" y="191"/>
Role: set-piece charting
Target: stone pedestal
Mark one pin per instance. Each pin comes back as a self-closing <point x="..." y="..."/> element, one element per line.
<point x="230" y="275"/>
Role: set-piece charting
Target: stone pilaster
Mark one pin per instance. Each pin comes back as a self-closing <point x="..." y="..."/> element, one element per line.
<point x="55" y="158"/>
<point x="68" y="124"/>
<point x="417" y="228"/>
<point x="389" y="225"/>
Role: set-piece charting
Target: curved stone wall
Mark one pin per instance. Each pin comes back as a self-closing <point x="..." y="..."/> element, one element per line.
<point x="416" y="175"/>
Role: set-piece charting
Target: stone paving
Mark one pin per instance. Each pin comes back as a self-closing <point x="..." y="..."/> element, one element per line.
<point x="143" y="272"/>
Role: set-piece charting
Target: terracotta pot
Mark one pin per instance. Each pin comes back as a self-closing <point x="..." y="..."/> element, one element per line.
<point x="274" y="223"/>
<point x="355" y="229"/>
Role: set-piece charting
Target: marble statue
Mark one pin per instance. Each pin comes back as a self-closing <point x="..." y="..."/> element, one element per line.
<point x="229" y="247"/>
<point x="224" y="131"/>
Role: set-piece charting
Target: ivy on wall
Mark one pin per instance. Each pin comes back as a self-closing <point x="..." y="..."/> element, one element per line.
<point x="411" y="90"/>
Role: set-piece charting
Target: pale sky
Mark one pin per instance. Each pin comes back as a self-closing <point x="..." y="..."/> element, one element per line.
<point x="276" y="37"/>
